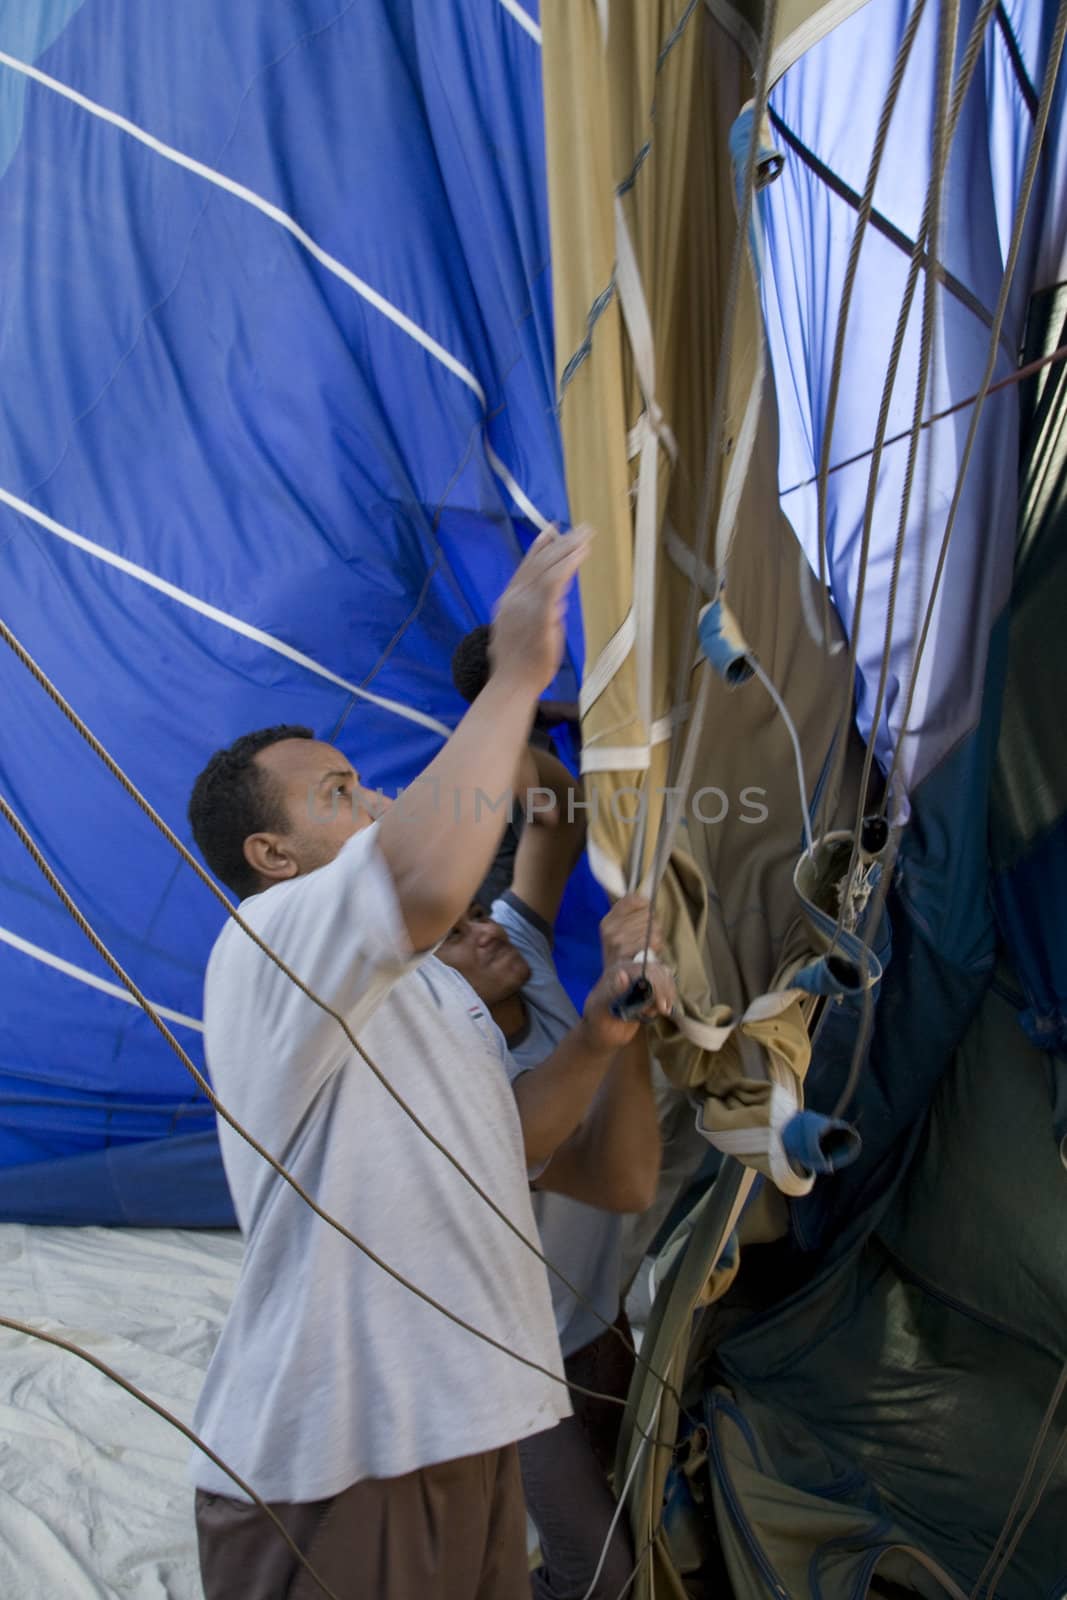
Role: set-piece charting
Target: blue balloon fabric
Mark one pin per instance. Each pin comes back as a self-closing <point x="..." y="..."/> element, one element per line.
<point x="278" y="421"/>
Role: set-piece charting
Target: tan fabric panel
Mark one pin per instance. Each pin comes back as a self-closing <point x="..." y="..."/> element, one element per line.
<point x="727" y="902"/>
<point x="650" y="114"/>
<point x="798" y="25"/>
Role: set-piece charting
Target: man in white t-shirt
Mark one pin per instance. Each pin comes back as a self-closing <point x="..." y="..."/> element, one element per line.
<point x="380" y="1432"/>
<point x="609" y="1166"/>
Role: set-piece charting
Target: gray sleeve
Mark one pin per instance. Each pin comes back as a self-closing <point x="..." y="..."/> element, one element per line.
<point x="341" y="931"/>
<point x="527" y="931"/>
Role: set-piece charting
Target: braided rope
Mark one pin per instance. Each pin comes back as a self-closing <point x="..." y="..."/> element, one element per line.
<point x="1037" y="139"/>
<point x="9" y="638"/>
<point x="863" y="216"/>
<point x="832" y="790"/>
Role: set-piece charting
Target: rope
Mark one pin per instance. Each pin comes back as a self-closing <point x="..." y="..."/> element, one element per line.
<point x="638" y="1564"/>
<point x="86" y="733"/>
<point x="968" y="64"/>
<point x="671" y="814"/>
<point x="798" y="754"/>
<point x="992" y="1568"/>
<point x="1019" y="220"/>
<point x="613" y="1524"/>
<point x="946" y="49"/>
<point x="1037" y="138"/>
<point x="949" y="19"/>
<point x="1017" y="376"/>
<point x="1024" y="1484"/>
<point x="733" y="291"/>
<point x="1022" y="208"/>
<point x="863" y="1032"/>
<point x="1039" y="1495"/>
<point x="175" y="1422"/>
<point x="220" y="1110"/>
<point x="847" y="287"/>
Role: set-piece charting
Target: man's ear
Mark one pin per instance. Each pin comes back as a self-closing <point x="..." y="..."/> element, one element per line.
<point x="268" y="857"/>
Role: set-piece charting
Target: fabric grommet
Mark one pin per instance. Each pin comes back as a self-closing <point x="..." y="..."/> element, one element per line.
<point x="723" y="644"/>
<point x="830" y="975"/>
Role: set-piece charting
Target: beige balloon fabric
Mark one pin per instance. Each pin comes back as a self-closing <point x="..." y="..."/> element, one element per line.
<point x="656" y="328"/>
<point x="648" y="299"/>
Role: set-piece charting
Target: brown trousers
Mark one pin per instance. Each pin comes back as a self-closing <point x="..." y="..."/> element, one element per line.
<point x="454" y="1531"/>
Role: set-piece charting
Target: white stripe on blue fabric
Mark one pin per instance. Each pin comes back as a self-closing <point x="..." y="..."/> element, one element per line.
<point x="224" y="618"/>
<point x="90" y="979"/>
<point x="523" y="18"/>
<point x="276" y="214"/>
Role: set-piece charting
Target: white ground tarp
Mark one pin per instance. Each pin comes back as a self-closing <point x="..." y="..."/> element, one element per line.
<point x="94" y="1499"/>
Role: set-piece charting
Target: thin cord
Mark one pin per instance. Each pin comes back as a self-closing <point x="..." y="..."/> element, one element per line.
<point x="771" y="689"/>
<point x="968" y="64"/>
<point x="1017" y="376"/>
<point x="127" y="783"/>
<point x="1022" y="207"/>
<point x="175" y="1422"/>
<point x="712" y="461"/>
<point x="860" y="1044"/>
<point x="670" y="816"/>
<point x="946" y="49"/>
<point x="638" y="1564"/>
<point x="847" y="287"/>
<point x="926" y="351"/>
<point x="748" y="200"/>
<point x="1039" y="1495"/>
<point x="683" y="1333"/>
<point x="624" y="1491"/>
<point x="1037" y="138"/>
<point x="221" y="1111"/>
<point x="1024" y="1482"/>
<point x="944" y="140"/>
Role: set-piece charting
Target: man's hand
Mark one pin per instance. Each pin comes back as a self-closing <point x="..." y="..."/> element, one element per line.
<point x="526" y="643"/>
<point x="625" y="931"/>
<point x="605" y="1032"/>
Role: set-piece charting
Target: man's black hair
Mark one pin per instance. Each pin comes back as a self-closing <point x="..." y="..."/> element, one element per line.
<point x="470" y="663"/>
<point x="232" y="798"/>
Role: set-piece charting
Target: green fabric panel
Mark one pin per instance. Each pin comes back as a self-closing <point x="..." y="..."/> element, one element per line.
<point x="899" y="1399"/>
<point x="983" y="1215"/>
<point x="813" y="1542"/>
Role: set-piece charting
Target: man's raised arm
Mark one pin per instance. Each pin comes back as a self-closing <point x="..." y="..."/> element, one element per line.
<point x="553" y="835"/>
<point x="440" y="838"/>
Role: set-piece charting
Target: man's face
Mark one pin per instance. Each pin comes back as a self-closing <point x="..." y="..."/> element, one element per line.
<point x="324" y="804"/>
<point x="481" y="952"/>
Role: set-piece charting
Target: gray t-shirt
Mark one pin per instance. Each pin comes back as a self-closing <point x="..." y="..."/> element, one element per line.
<point x="328" y="1371"/>
<point x="583" y="1241"/>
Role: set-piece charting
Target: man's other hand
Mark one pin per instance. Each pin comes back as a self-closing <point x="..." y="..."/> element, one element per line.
<point x="606" y="1032"/>
<point x="625" y="931"/>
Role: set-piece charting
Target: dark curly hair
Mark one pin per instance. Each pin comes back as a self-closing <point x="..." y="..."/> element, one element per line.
<point x="234" y="797"/>
<point x="470" y="663"/>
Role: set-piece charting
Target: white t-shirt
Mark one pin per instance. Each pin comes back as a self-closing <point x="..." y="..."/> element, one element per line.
<point x="583" y="1241"/>
<point x="328" y="1371"/>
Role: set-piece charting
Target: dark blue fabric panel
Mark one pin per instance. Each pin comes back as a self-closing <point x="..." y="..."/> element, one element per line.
<point x="943" y="940"/>
<point x="1032" y="906"/>
<point x="152" y="1184"/>
<point x="44" y="1121"/>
